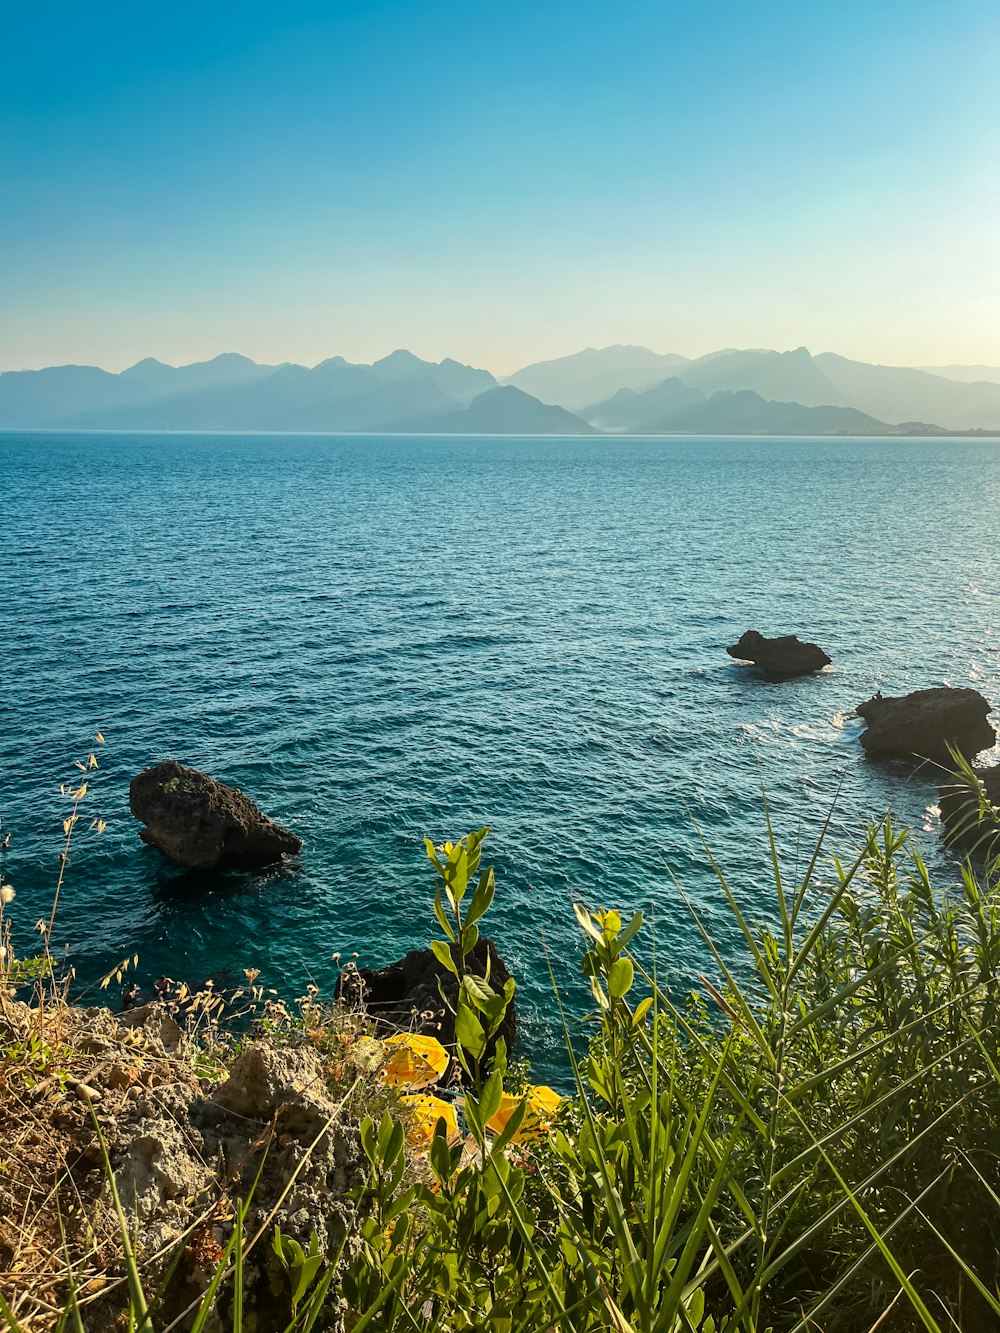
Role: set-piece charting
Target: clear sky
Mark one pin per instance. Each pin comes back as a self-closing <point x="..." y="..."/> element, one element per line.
<point x="498" y="183"/>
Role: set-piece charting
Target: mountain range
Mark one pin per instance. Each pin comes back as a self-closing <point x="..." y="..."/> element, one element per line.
<point x="622" y="390"/>
<point x="889" y="394"/>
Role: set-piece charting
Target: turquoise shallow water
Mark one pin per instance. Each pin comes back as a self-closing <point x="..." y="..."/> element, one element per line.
<point x="382" y="638"/>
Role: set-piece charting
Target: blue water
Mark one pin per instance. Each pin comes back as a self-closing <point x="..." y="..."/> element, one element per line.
<point x="384" y="638"/>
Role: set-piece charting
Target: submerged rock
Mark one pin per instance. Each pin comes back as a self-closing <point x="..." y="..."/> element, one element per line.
<point x="404" y="997"/>
<point x="924" y="723"/>
<point x="972" y="818"/>
<point x="780" y="658"/>
<point x="202" y="824"/>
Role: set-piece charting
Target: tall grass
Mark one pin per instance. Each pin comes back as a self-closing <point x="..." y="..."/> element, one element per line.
<point x="807" y="1141"/>
<point x="812" y="1148"/>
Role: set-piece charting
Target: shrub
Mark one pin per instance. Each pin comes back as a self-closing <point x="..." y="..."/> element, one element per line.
<point x="805" y="1142"/>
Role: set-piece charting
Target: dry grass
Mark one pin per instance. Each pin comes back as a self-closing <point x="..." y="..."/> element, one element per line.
<point x="57" y="1063"/>
<point x="65" y="1070"/>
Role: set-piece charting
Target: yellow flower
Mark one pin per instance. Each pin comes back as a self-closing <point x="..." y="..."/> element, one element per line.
<point x="413" y="1061"/>
<point x="424" y="1113"/>
<point x="542" y="1105"/>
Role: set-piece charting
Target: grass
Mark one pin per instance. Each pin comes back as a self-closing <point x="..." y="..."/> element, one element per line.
<point x="808" y="1142"/>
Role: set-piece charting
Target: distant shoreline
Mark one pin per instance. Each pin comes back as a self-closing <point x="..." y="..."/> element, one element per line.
<point x="497" y="435"/>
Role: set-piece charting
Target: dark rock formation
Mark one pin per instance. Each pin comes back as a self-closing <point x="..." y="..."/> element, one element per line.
<point x="202" y="824"/>
<point x="780" y="658"/>
<point x="923" y="724"/>
<point x="969" y="825"/>
<point x="404" y="997"/>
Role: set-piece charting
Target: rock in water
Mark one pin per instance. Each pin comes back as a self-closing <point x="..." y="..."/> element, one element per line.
<point x="202" y="824"/>
<point x="923" y="724"/>
<point x="972" y="819"/>
<point x="405" y="997"/>
<point x="780" y="658"/>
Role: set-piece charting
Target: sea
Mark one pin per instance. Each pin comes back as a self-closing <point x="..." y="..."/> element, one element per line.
<point x="386" y="638"/>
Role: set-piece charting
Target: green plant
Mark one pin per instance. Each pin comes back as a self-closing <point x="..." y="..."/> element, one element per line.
<point x="805" y="1143"/>
<point x="754" y="1168"/>
<point x="301" y="1265"/>
<point x="478" y="1009"/>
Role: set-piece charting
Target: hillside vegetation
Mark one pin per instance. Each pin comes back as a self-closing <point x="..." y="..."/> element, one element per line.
<point x="807" y="1140"/>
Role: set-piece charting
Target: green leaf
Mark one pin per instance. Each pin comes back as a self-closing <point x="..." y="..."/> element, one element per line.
<point x="611" y="926"/>
<point x="368" y="1141"/>
<point x="469" y="939"/>
<point x="620" y="978"/>
<point x="489" y="1100"/>
<point x="494" y="1012"/>
<point x="586" y="922"/>
<point x="477" y="991"/>
<point x="598" y="992"/>
<point x="442" y="915"/>
<point x="442" y="953"/>
<point x="432" y="855"/>
<point x="469" y="1032"/>
<point x="440" y="1155"/>
<point x="483" y="897"/>
<point x="630" y="931"/>
<point x="384" y="1130"/>
<point x="394" y="1148"/>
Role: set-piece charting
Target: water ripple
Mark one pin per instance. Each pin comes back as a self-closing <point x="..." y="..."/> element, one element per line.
<point x="382" y="638"/>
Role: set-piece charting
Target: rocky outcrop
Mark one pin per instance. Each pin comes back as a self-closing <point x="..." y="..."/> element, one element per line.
<point x="923" y="724"/>
<point x="971" y="817"/>
<point x="202" y="824"/>
<point x="271" y="1133"/>
<point x="270" y="1128"/>
<point x="405" y="996"/>
<point x="780" y="658"/>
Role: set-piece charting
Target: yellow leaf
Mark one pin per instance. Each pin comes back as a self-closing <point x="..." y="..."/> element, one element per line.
<point x="92" y="761"/>
<point x="100" y="739"/>
<point x="81" y="767"/>
<point x="67" y="825"/>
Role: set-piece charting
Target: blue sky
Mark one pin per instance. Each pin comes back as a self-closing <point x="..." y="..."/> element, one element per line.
<point x="499" y="183"/>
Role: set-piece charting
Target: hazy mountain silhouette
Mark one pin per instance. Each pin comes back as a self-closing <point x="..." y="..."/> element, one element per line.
<point x="788" y="377"/>
<point x="775" y="391"/>
<point x="895" y="393"/>
<point x="505" y="410"/>
<point x="631" y="411"/>
<point x="889" y="394"/>
<point x="591" y="376"/>
<point x="47" y="397"/>
<point x="152" y="378"/>
<point x="459" y="382"/>
<point x="677" y="408"/>
<point x="966" y="374"/>
<point x="234" y="393"/>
